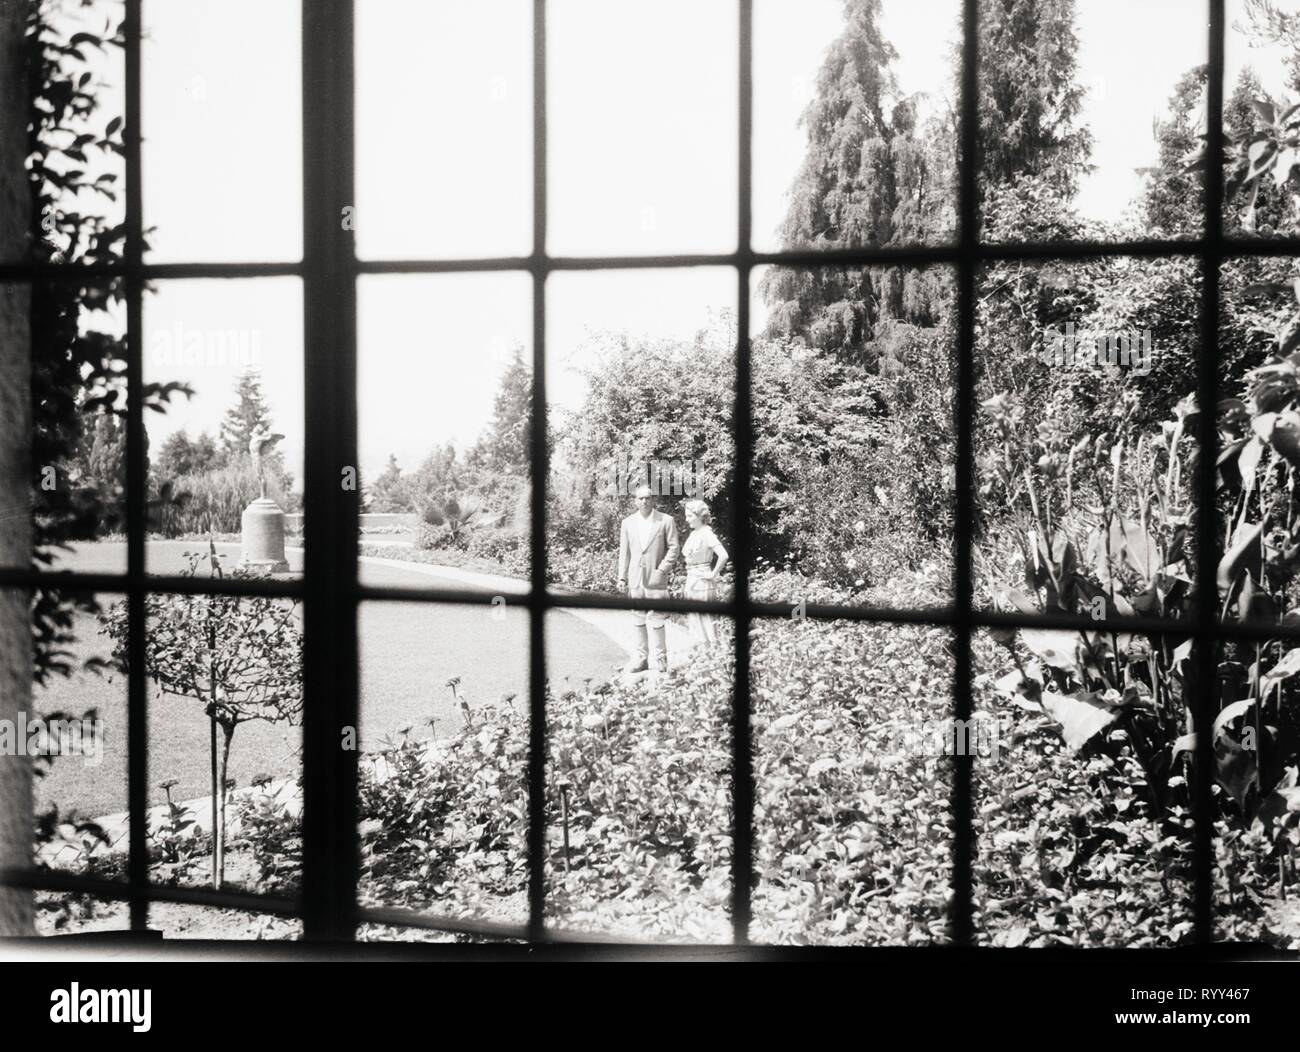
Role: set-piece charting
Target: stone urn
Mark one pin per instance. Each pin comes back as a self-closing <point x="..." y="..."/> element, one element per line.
<point x="263" y="537"/>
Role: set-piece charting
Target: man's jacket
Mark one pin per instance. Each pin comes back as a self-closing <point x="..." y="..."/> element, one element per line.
<point x="649" y="563"/>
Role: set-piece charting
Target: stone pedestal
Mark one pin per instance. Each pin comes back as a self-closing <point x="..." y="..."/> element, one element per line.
<point x="263" y="537"/>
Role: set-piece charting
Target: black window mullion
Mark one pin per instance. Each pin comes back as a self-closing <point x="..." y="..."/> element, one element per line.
<point x="959" y="916"/>
<point x="136" y="485"/>
<point x="1204" y="687"/>
<point x="742" y="760"/>
<point x="330" y="523"/>
<point x="538" y="601"/>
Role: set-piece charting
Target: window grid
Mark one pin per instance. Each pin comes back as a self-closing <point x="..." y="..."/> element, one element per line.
<point x="329" y="589"/>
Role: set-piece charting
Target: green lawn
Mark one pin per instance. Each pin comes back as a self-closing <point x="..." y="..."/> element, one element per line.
<point x="408" y="652"/>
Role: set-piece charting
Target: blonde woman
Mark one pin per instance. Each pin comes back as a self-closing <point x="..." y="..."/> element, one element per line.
<point x="702" y="573"/>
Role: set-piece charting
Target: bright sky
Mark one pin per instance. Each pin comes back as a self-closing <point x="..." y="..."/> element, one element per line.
<point x="642" y="104"/>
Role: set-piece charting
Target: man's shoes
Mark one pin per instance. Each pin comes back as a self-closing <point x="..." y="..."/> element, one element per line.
<point x="633" y="667"/>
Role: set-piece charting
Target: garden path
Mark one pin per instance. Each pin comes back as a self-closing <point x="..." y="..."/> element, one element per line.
<point x="403" y="675"/>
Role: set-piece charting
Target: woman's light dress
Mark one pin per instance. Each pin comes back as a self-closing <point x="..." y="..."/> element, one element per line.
<point x="700" y="548"/>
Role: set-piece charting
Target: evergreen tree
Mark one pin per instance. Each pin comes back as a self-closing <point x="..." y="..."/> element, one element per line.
<point x="248" y="414"/>
<point x="390" y="492"/>
<point x="99" y="466"/>
<point x="1172" y="198"/>
<point x="101" y="453"/>
<point x="1029" y="97"/>
<point x="505" y="445"/>
<point x="925" y="174"/>
<point x="1265" y="209"/>
<point x="846" y="194"/>
<point x="1238" y="107"/>
<point x="872" y="176"/>
<point x="105" y="452"/>
<point x="435" y="477"/>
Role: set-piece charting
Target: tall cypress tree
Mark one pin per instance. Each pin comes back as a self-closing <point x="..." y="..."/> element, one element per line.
<point x="846" y="193"/>
<point x="872" y="176"/>
<point x="1029" y="95"/>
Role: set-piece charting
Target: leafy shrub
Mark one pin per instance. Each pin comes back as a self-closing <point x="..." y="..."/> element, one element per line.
<point x="1071" y="850"/>
<point x="916" y="492"/>
<point x="852" y="833"/>
<point x="782" y="584"/>
<point x="446" y="819"/>
<point x="273" y="837"/>
<point x="498" y="544"/>
<point x="576" y="518"/>
<point x="215" y="500"/>
<point x="173" y="841"/>
<point x="1104" y="527"/>
<point x="588" y="569"/>
<point x="438" y="536"/>
<point x="844" y="537"/>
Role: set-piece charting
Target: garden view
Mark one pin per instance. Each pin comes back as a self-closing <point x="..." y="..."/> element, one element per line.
<point x="1086" y="761"/>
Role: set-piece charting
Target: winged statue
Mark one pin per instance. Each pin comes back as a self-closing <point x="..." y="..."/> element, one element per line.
<point x="259" y="446"/>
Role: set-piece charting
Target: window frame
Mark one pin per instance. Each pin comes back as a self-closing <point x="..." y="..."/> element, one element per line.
<point x="329" y="588"/>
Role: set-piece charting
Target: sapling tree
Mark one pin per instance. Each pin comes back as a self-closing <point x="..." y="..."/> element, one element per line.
<point x="238" y="656"/>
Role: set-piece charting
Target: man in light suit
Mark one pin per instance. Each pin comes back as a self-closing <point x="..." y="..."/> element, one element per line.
<point x="647" y="549"/>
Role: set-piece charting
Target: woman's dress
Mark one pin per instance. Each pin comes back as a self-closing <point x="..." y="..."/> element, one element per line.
<point x="700" y="548"/>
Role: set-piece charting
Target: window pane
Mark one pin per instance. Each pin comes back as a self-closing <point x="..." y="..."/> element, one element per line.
<point x="853" y="738"/>
<point x="75" y="734"/>
<point x="1261" y="84"/>
<point x="77" y="162"/>
<point x="854" y="125"/>
<point x="853" y="377"/>
<point x="1259" y="400"/>
<point x="444" y="759"/>
<point x="458" y="133"/>
<point x="1085" y="435"/>
<point x="225" y="683"/>
<point x="641" y="111"/>
<point x="237" y="346"/>
<point x="638" y="799"/>
<point x="640" y="377"/>
<point x="74" y="404"/>
<point x="1083" y="824"/>
<point x="1084" y="131"/>
<point x="445" y="412"/>
<point x="222" y="149"/>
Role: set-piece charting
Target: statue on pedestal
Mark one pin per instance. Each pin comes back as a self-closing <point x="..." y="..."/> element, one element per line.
<point x="263" y="520"/>
<point x="259" y="446"/>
